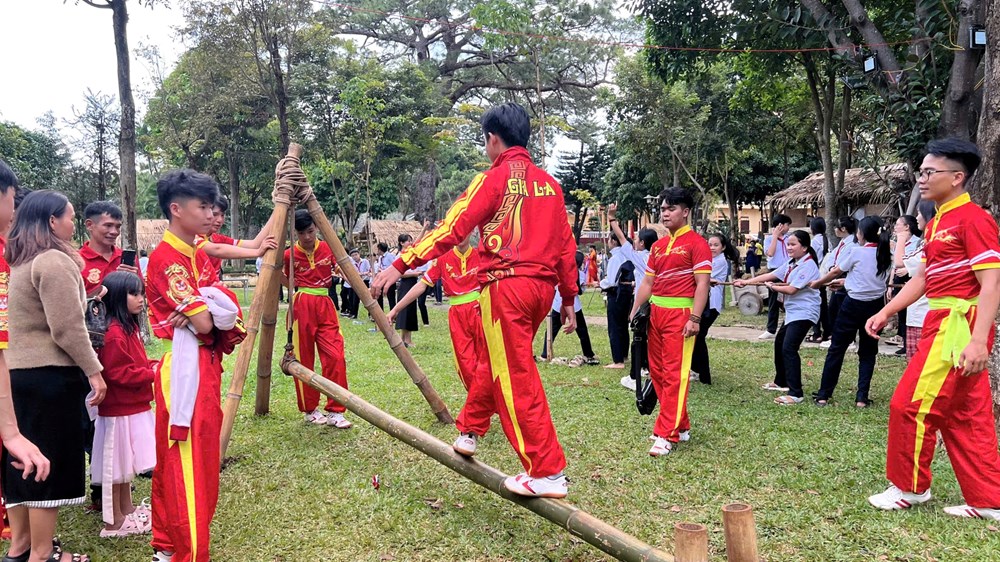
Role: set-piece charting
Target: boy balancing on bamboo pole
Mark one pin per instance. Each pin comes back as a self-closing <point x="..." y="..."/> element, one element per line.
<point x="458" y="271"/>
<point x="946" y="387"/>
<point x="526" y="249"/>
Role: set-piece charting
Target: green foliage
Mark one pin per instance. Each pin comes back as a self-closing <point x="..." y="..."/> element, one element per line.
<point x="37" y="159"/>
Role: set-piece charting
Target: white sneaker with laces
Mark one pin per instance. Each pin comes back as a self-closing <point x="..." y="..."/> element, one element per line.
<point x="628" y="382"/>
<point x="160" y="556"/>
<point x="766" y="336"/>
<point x="316" y="417"/>
<point x="336" y="419"/>
<point x="546" y="487"/>
<point x="894" y="498"/>
<point x="661" y="447"/>
<point x="973" y="512"/>
<point x="466" y="444"/>
<point x="685" y="436"/>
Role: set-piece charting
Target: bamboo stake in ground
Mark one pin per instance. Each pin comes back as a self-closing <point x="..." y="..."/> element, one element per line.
<point x="741" y="533"/>
<point x="690" y="542"/>
<point x="267" y="285"/>
<point x="579" y="523"/>
<point x="265" y="350"/>
<point x="417" y="374"/>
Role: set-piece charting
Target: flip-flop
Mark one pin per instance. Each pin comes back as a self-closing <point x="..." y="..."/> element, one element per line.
<point x="774" y="387"/>
<point x="788" y="400"/>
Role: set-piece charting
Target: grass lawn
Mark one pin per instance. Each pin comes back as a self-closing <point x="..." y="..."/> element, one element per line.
<point x="301" y="493"/>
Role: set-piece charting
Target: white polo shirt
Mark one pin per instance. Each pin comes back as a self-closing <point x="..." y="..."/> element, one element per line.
<point x="863" y="281"/>
<point x="805" y="303"/>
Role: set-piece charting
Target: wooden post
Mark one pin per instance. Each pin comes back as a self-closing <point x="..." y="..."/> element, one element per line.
<point x="690" y="542"/>
<point x="267" y="285"/>
<point x="579" y="523"/>
<point x="417" y="374"/>
<point x="741" y="533"/>
<point x="265" y="349"/>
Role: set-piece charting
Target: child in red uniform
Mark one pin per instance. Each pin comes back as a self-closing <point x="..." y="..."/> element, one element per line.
<point x="526" y="248"/>
<point x="123" y="438"/>
<point x="100" y="253"/>
<point x="946" y="387"/>
<point x="457" y="270"/>
<point x="220" y="247"/>
<point x="677" y="282"/>
<point x="186" y="479"/>
<point x="315" y="323"/>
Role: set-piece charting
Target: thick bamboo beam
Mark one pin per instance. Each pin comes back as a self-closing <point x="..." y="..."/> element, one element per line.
<point x="690" y="542"/>
<point x="265" y="351"/>
<point x="417" y="374"/>
<point x="741" y="533"/>
<point x="579" y="523"/>
<point x="267" y="284"/>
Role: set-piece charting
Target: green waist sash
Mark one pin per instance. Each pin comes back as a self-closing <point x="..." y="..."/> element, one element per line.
<point x="957" y="333"/>
<point x="463" y="299"/>
<point x="318" y="291"/>
<point x="672" y="302"/>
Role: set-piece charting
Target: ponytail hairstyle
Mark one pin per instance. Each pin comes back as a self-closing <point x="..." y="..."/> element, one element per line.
<point x="912" y="225"/>
<point x="731" y="253"/>
<point x="804" y="239"/>
<point x="873" y="230"/>
<point x="848" y="223"/>
<point x="818" y="226"/>
<point x="121" y="284"/>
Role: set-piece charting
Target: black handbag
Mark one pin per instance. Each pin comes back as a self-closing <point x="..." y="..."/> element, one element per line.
<point x="645" y="395"/>
<point x="96" y="318"/>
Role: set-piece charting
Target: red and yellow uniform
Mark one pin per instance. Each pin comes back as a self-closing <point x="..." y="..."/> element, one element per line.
<point x="217" y="238"/>
<point x="186" y="479"/>
<point x="96" y="267"/>
<point x="526" y="248"/>
<point x="674" y="261"/>
<point x="4" y="339"/>
<point x="315" y="324"/>
<point x="458" y="274"/>
<point x="932" y="394"/>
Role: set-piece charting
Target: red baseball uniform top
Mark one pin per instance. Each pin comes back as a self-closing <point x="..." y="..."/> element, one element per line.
<point x="96" y="267"/>
<point x="521" y="215"/>
<point x="217" y="239"/>
<point x="312" y="269"/>
<point x="674" y="261"/>
<point x="458" y="272"/>
<point x="960" y="240"/>
<point x="175" y="272"/>
<point x="4" y="284"/>
<point x="128" y="372"/>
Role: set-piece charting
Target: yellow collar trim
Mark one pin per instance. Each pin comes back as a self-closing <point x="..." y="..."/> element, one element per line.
<point x="955" y="203"/>
<point x="178" y="244"/>
<point x="315" y="245"/>
<point x="674" y="236"/>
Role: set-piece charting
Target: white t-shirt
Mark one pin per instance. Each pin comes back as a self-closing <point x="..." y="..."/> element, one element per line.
<point x="843" y="247"/>
<point x="720" y="271"/>
<point x="638" y="259"/>
<point x="916" y="312"/>
<point x="805" y="303"/>
<point x="817" y="246"/>
<point x="780" y="256"/>
<point x="577" y="303"/>
<point x="863" y="281"/>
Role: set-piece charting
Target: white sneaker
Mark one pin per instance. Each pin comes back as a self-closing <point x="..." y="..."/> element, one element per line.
<point x="160" y="556"/>
<point x="547" y="487"/>
<point x="694" y="377"/>
<point x="465" y="444"/>
<point x="766" y="336"/>
<point x="973" y="512"/>
<point x="336" y="419"/>
<point x="852" y="347"/>
<point x="894" y="498"/>
<point x="825" y="344"/>
<point x="628" y="382"/>
<point x="661" y="447"/>
<point x="316" y="417"/>
<point x="685" y="436"/>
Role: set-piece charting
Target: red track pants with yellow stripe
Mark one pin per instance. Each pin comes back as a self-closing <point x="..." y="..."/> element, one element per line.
<point x="315" y="327"/>
<point x="932" y="396"/>
<point x="669" y="368"/>
<point x="186" y="478"/>
<point x="512" y="310"/>
<point x="466" y="325"/>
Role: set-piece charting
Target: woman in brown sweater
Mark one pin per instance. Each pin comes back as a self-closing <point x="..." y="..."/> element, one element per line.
<point x="51" y="363"/>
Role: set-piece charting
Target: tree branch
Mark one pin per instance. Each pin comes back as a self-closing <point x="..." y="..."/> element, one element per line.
<point x="873" y="37"/>
<point x="105" y="6"/>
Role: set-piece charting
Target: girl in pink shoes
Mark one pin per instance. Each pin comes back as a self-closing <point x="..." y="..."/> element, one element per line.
<point x="123" y="435"/>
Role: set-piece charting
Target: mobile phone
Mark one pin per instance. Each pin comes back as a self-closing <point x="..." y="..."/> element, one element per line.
<point x="128" y="258"/>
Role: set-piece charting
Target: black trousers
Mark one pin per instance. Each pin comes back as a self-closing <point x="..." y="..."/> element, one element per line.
<point x="619" y="305"/>
<point x="850" y="322"/>
<point x="438" y="292"/>
<point x="787" y="363"/>
<point x="581" y="332"/>
<point x="822" y="330"/>
<point x="346" y="299"/>
<point x="422" y="305"/>
<point x="699" y="358"/>
<point x="390" y="293"/>
<point x="833" y="308"/>
<point x="773" y="311"/>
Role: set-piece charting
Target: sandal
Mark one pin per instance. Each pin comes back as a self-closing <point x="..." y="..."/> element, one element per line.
<point x="56" y="545"/>
<point x="772" y="386"/>
<point x="788" y="400"/>
<point x="577" y="361"/>
<point x="862" y="404"/>
<point x="821" y="402"/>
<point x="815" y="338"/>
<point x="57" y="555"/>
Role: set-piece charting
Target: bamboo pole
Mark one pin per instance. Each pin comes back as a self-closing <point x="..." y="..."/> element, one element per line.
<point x="267" y="285"/>
<point x="741" y="533"/>
<point x="690" y="542"/>
<point x="579" y="523"/>
<point x="265" y="352"/>
<point x="417" y="374"/>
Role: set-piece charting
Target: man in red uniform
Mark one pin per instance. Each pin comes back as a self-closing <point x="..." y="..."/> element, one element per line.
<point x="526" y="248"/>
<point x="458" y="272"/>
<point x="315" y="323"/>
<point x="946" y="387"/>
<point x="677" y="284"/>
<point x="101" y="255"/>
<point x="186" y="479"/>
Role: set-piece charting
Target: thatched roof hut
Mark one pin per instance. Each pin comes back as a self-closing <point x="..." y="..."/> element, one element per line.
<point x="862" y="186"/>
<point x="149" y="232"/>
<point x="387" y="231"/>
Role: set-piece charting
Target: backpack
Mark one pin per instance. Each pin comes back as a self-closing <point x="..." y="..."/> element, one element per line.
<point x="645" y="394"/>
<point x="96" y="318"/>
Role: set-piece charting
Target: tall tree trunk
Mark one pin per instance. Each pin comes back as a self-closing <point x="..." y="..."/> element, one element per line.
<point x="987" y="181"/>
<point x="823" y="113"/>
<point x="280" y="92"/>
<point x="424" y="191"/>
<point x="233" y="166"/>
<point x="844" y="137"/>
<point x="126" y="135"/>
<point x="957" y="110"/>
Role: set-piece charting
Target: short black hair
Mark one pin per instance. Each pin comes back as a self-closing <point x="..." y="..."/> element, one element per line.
<point x="961" y="151"/>
<point x="303" y="220"/>
<point x="98" y="208"/>
<point x="8" y="178"/>
<point x="510" y="122"/>
<point x="677" y="196"/>
<point x="848" y="223"/>
<point x="222" y="203"/>
<point x="383" y="247"/>
<point x="780" y="218"/>
<point x="182" y="185"/>
<point x="355" y="251"/>
<point x="648" y="237"/>
<point x="927" y="208"/>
